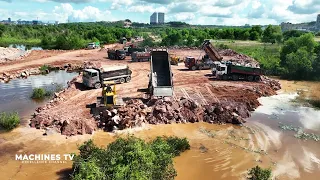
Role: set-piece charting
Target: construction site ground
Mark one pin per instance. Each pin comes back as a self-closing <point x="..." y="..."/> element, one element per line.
<point x="196" y="85"/>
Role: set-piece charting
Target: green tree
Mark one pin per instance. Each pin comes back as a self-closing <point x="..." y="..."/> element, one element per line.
<point x="255" y="33"/>
<point x="2" y="29"/>
<point x="258" y="173"/>
<point x="297" y="56"/>
<point x="129" y="158"/>
<point x="272" y="34"/>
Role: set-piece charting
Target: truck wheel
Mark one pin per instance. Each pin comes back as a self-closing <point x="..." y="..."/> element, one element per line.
<point x="225" y="77"/>
<point x="122" y="80"/>
<point x="97" y="85"/>
<point x="128" y="79"/>
<point x="257" y="78"/>
<point x="250" y="78"/>
<point x="193" y="68"/>
<point x="235" y="77"/>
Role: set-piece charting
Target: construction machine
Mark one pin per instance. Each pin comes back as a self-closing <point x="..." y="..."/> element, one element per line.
<point x="174" y="59"/>
<point x="160" y="77"/>
<point x="109" y="98"/>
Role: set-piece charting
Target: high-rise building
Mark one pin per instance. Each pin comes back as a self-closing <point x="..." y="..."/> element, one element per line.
<point x="318" y="22"/>
<point x="9" y="20"/>
<point x="160" y="18"/>
<point x="154" y="18"/>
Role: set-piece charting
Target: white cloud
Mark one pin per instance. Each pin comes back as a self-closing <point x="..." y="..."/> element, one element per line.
<point x="146" y="8"/>
<point x="256" y="4"/>
<point x="184" y="16"/>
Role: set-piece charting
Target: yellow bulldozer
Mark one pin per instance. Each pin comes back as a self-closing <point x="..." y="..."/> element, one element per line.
<point x="109" y="98"/>
<point x="174" y="59"/>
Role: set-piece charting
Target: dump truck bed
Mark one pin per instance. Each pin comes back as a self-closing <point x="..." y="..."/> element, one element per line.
<point x="244" y="70"/>
<point x="161" y="76"/>
<point x="211" y="51"/>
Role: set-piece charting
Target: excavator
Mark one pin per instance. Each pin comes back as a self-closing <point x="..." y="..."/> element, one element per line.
<point x="109" y="98"/>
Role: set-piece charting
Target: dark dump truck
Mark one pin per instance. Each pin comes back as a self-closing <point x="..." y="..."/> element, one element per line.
<point x="118" y="54"/>
<point x="233" y="72"/>
<point x="140" y="56"/>
<point x="160" y="77"/>
<point x="94" y="77"/>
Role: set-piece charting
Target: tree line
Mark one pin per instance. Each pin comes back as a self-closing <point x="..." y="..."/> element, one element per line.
<point x="76" y="35"/>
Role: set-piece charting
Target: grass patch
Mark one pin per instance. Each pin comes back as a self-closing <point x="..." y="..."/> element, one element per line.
<point x="9" y="121"/>
<point x="129" y="158"/>
<point x="41" y="93"/>
<point x="258" y="173"/>
<point x="6" y="41"/>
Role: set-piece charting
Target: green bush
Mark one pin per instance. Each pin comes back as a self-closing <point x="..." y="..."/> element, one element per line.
<point x="44" y="69"/>
<point x="40" y="93"/>
<point x="129" y="158"/>
<point x="9" y="121"/>
<point x="257" y="173"/>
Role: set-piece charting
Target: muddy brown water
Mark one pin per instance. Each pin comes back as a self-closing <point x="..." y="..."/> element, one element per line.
<point x="217" y="151"/>
<point x="15" y="95"/>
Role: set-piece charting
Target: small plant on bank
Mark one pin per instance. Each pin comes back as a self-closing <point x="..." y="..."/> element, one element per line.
<point x="40" y="93"/>
<point x="258" y="173"/>
<point x="44" y="68"/>
<point x="9" y="121"/>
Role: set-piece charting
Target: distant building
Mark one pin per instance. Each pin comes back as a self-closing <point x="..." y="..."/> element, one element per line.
<point x="154" y="18"/>
<point x="318" y="22"/>
<point x="160" y="18"/>
<point x="9" y="20"/>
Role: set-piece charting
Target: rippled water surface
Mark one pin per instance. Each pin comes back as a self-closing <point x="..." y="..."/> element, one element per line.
<point x="15" y="95"/>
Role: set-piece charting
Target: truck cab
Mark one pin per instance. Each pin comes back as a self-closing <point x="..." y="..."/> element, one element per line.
<point x="91" y="78"/>
<point x="214" y="67"/>
<point x="190" y="63"/>
<point x="221" y="70"/>
<point x="91" y="46"/>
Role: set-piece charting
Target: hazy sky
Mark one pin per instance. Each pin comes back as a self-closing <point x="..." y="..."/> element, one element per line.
<point x="220" y="12"/>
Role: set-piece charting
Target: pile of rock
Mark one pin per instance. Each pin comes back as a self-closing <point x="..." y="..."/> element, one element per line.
<point x="167" y="111"/>
<point x="239" y="58"/>
<point x="62" y="125"/>
<point x="6" y="76"/>
<point x="11" y="54"/>
<point x="274" y="84"/>
<point x="58" y="123"/>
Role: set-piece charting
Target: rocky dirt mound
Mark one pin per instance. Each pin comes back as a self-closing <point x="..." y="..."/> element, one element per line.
<point x="10" y="54"/>
<point x="66" y="124"/>
<point x="238" y="57"/>
<point x="168" y="110"/>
